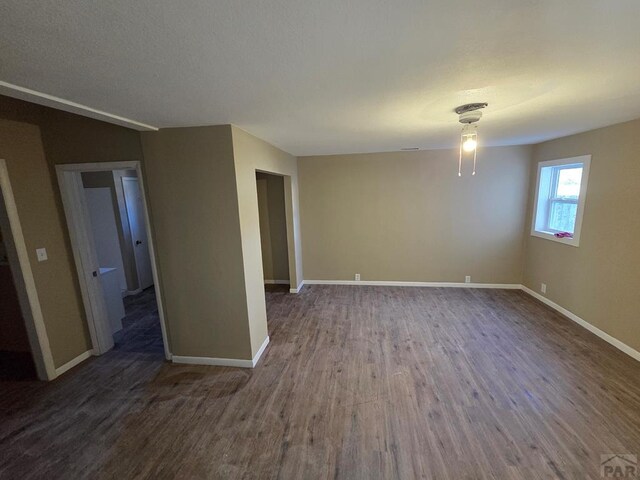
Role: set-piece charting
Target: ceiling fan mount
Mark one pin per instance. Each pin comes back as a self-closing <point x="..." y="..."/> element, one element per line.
<point x="470" y="107"/>
<point x="470" y="113"/>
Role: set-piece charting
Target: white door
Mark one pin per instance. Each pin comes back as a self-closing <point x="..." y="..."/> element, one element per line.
<point x="135" y="213"/>
<point x="105" y="231"/>
<point x="76" y="210"/>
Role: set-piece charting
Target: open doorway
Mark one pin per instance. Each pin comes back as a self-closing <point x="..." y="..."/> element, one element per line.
<point x="24" y="346"/>
<point x="273" y="231"/>
<point x="108" y="224"/>
<point x="16" y="358"/>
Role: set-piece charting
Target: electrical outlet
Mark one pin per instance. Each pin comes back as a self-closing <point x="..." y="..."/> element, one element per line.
<point x="543" y="287"/>
<point x="357" y="277"/>
<point x="41" y="253"/>
<point x="467" y="279"/>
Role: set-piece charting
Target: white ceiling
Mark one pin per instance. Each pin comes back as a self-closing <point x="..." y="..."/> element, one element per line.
<point x="335" y="76"/>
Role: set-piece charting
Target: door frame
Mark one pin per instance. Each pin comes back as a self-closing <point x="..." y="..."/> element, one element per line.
<point x="75" y="208"/>
<point x="295" y="283"/>
<point x="133" y="243"/>
<point x="27" y="292"/>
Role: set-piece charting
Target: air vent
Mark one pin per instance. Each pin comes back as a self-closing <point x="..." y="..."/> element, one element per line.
<point x="410" y="149"/>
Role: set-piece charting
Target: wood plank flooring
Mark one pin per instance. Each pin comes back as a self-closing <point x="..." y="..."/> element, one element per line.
<point x="357" y="383"/>
<point x="141" y="331"/>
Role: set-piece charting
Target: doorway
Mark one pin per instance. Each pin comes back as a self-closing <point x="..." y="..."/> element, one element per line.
<point x="273" y="231"/>
<point x="16" y="359"/>
<point x="134" y="205"/>
<point x="24" y="346"/>
<point x="113" y="249"/>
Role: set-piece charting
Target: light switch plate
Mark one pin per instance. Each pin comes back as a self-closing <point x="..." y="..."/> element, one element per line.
<point x="42" y="254"/>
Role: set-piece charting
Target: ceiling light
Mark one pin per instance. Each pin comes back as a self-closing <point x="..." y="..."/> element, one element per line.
<point x="470" y="144"/>
<point x="467" y="115"/>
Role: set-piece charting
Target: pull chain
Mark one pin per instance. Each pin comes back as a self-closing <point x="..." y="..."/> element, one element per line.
<point x="475" y="153"/>
<point x="460" y="158"/>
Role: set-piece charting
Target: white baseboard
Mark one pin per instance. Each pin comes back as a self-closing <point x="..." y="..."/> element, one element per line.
<point x="256" y="357"/>
<point x="583" y="323"/>
<point x="128" y="293"/>
<point x="276" y="282"/>
<point x="379" y="283"/>
<point x="72" y="363"/>
<point x="297" y="290"/>
<point x="218" y="362"/>
<point x="222" y="362"/>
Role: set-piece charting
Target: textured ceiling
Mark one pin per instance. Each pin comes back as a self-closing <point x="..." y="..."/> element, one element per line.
<point x="335" y="76"/>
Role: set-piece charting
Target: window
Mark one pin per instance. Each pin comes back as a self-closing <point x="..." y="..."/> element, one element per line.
<point x="560" y="195"/>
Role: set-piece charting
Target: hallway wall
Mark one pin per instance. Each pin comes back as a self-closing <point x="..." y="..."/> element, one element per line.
<point x="33" y="139"/>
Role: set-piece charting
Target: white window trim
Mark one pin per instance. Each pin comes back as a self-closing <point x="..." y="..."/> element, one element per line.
<point x="575" y="241"/>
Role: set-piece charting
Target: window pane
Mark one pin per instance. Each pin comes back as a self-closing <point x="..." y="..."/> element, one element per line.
<point x="569" y="182"/>
<point x="562" y="216"/>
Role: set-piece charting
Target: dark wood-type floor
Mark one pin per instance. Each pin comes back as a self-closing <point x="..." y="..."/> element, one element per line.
<point x="357" y="383"/>
<point x="141" y="331"/>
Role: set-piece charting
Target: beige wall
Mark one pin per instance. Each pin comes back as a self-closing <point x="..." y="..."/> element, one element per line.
<point x="203" y="195"/>
<point x="55" y="279"/>
<point x="190" y="177"/>
<point x="33" y="139"/>
<point x="599" y="280"/>
<point x="273" y="226"/>
<point x="251" y="155"/>
<point x="407" y="216"/>
<point x="388" y="216"/>
<point x="194" y="216"/>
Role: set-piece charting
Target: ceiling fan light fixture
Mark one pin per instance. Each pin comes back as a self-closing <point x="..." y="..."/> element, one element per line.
<point x="469" y="145"/>
<point x="469" y="138"/>
<point x="468" y="115"/>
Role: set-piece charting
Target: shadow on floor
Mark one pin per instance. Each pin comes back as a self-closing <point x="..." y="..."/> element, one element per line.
<point x="276" y="288"/>
<point x="17" y="366"/>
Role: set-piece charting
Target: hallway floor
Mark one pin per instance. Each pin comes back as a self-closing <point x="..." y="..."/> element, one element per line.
<point x="141" y="331"/>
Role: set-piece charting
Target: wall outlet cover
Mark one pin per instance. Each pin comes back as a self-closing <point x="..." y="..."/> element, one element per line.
<point x="543" y="287"/>
<point x="41" y="253"/>
<point x="467" y="279"/>
<point x="357" y="277"/>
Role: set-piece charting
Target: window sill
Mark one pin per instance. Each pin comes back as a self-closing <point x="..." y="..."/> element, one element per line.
<point x="574" y="242"/>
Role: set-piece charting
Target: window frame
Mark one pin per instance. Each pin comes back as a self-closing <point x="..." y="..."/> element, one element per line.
<point x="546" y="232"/>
